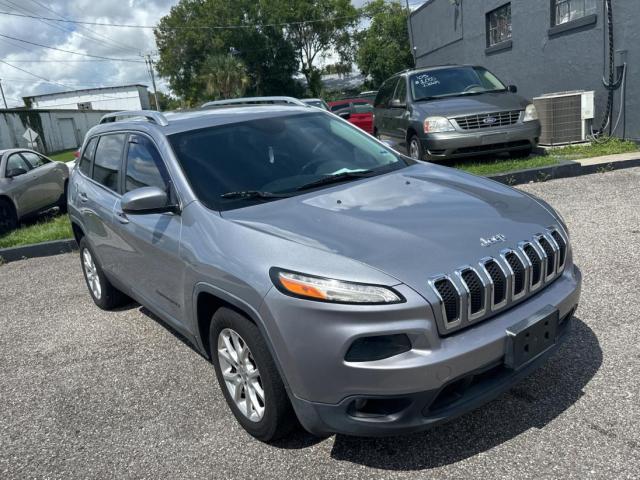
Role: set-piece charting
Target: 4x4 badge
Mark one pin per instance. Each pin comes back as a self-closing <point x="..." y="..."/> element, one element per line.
<point x="498" y="237"/>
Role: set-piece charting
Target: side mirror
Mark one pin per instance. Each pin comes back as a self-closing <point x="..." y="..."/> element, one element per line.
<point x="15" y="172"/>
<point x="397" y="103"/>
<point x="345" y="115"/>
<point x="512" y="89"/>
<point x="146" y="200"/>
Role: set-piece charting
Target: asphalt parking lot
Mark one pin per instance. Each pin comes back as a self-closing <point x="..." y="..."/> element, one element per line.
<point x="91" y="394"/>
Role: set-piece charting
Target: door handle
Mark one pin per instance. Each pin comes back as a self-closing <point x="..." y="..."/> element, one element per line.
<point x="122" y="217"/>
<point x="83" y="197"/>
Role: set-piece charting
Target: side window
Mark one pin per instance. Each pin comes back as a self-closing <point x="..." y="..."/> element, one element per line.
<point x="87" y="157"/>
<point x="385" y="93"/>
<point x="15" y="161"/>
<point x="144" y="165"/>
<point x="401" y="91"/>
<point x="107" y="160"/>
<point x="34" y="159"/>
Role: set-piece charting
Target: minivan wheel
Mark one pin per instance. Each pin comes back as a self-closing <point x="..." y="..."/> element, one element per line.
<point x="8" y="217"/>
<point x="248" y="377"/>
<point x="415" y="148"/>
<point x="104" y="295"/>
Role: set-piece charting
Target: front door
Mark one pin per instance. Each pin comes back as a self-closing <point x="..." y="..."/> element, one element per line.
<point x="148" y="253"/>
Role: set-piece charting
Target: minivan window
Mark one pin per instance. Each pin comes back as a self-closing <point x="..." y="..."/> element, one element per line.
<point x="144" y="165"/>
<point x="87" y="157"/>
<point x="455" y="81"/>
<point x="276" y="156"/>
<point x="401" y="91"/>
<point x="385" y="92"/>
<point x="108" y="159"/>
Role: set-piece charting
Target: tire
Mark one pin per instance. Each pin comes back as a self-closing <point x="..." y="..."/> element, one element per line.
<point x="277" y="418"/>
<point x="62" y="202"/>
<point x="8" y="217"/>
<point x="414" y="149"/>
<point x="521" y="153"/>
<point x="103" y="293"/>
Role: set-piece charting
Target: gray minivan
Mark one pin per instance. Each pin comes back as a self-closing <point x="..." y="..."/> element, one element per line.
<point x="454" y="111"/>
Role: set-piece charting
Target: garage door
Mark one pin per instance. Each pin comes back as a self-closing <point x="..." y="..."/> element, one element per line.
<point x="68" y="132"/>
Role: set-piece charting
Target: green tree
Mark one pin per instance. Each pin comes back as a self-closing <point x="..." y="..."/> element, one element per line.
<point x="223" y="76"/>
<point x="315" y="29"/>
<point x="269" y="58"/>
<point x="167" y="102"/>
<point x="383" y="49"/>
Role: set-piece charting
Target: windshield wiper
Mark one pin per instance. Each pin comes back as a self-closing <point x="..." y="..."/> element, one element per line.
<point x="340" y="177"/>
<point x="254" y="194"/>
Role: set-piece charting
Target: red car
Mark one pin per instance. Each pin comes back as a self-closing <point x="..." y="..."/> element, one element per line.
<point x="358" y="111"/>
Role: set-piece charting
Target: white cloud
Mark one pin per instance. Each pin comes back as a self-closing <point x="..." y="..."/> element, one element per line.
<point x="74" y="70"/>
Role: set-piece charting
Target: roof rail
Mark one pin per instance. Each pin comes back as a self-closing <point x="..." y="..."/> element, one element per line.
<point x="280" y="100"/>
<point x="151" y="116"/>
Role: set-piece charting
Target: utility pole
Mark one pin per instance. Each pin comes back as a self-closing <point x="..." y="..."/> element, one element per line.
<point x="3" y="99"/>
<point x="149" y="63"/>
<point x="412" y="45"/>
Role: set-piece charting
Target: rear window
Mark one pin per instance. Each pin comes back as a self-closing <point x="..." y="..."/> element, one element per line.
<point x="108" y="160"/>
<point x="275" y="155"/>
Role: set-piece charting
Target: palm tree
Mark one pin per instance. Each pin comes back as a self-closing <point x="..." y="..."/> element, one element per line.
<point x="223" y="76"/>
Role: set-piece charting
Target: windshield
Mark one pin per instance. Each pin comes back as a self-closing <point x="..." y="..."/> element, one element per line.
<point x="277" y="155"/>
<point x="454" y="81"/>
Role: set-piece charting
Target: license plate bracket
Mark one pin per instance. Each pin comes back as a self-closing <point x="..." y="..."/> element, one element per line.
<point x="531" y="337"/>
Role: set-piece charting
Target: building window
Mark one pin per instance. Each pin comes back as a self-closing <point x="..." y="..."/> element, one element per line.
<point x="565" y="11"/>
<point x="499" y="25"/>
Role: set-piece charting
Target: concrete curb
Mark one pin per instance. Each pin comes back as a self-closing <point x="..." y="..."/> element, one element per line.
<point x="564" y="169"/>
<point x="44" y="249"/>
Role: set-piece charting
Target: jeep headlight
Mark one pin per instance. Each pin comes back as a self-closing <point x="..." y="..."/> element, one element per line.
<point x="323" y="289"/>
<point x="437" y="125"/>
<point x="530" y="113"/>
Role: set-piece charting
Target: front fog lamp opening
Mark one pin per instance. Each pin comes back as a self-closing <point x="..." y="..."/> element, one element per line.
<point x="330" y="290"/>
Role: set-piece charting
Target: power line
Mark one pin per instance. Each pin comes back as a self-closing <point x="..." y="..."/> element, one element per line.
<point x="92" y="34"/>
<point x="215" y="27"/>
<point x="71" y="51"/>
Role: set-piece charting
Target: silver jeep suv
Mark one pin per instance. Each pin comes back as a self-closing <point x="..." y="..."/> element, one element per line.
<point x="331" y="281"/>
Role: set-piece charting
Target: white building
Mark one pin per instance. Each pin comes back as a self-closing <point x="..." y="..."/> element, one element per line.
<point x="125" y="97"/>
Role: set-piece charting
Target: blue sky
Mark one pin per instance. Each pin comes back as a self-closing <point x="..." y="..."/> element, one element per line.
<point x="59" y="70"/>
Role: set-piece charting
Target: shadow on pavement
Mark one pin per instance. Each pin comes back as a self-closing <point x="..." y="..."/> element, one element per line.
<point x="533" y="403"/>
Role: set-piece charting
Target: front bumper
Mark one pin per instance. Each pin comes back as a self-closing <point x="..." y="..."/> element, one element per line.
<point x="461" y="143"/>
<point x="310" y="342"/>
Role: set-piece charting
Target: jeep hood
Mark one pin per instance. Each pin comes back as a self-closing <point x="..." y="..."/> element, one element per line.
<point x="411" y="224"/>
<point x="486" y="102"/>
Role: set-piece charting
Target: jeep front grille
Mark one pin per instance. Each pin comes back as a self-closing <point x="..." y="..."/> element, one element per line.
<point x="475" y="293"/>
<point x="488" y="120"/>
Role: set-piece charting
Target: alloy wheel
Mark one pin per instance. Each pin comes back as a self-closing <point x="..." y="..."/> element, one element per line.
<point x="91" y="272"/>
<point x="414" y="149"/>
<point x="241" y="374"/>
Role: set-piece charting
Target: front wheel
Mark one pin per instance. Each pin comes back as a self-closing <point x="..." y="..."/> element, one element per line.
<point x="248" y="377"/>
<point x="103" y="293"/>
<point x="8" y="217"/>
<point x="415" y="148"/>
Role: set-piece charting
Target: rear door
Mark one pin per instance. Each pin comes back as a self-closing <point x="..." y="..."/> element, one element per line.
<point x="148" y="248"/>
<point x="99" y="196"/>
<point x="50" y="178"/>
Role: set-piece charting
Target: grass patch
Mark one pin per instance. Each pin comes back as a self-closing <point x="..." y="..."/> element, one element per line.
<point x="610" y="146"/>
<point x="493" y="166"/>
<point x="52" y="228"/>
<point x="65" y="156"/>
